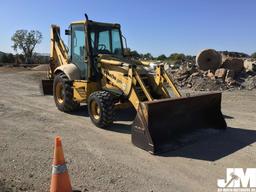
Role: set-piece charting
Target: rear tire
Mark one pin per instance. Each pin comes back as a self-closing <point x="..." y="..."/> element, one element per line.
<point x="101" y="108"/>
<point x="63" y="94"/>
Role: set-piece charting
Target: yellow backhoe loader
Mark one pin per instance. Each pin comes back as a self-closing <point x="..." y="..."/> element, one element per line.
<point x="96" y="70"/>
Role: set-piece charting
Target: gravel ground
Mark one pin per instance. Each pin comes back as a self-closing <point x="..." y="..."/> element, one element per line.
<point x="105" y="160"/>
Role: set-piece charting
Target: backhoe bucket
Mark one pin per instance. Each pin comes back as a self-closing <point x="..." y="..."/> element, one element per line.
<point x="159" y="123"/>
<point x="47" y="87"/>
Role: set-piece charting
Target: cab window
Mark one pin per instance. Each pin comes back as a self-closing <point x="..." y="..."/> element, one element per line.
<point x="78" y="52"/>
<point x="104" y="42"/>
<point x="116" y="42"/>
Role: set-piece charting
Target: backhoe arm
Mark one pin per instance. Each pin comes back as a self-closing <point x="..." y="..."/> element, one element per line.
<point x="58" y="52"/>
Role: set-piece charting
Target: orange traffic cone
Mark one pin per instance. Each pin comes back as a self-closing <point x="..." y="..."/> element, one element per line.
<point x="60" y="179"/>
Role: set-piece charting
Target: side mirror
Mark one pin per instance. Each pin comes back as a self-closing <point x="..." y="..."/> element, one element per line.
<point x="127" y="52"/>
<point x="67" y="32"/>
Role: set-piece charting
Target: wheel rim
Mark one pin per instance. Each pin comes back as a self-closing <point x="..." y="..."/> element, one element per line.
<point x="95" y="110"/>
<point x="59" y="93"/>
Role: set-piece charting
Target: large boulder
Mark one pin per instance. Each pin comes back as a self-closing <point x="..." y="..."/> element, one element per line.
<point x="208" y="59"/>
<point x="220" y="73"/>
<point x="230" y="75"/>
<point x="234" y="64"/>
<point x="250" y="65"/>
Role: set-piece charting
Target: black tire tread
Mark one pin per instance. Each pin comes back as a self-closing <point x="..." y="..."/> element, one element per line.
<point x="69" y="104"/>
<point x="106" y="102"/>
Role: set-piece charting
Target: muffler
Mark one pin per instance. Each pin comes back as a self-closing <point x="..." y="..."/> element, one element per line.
<point x="158" y="123"/>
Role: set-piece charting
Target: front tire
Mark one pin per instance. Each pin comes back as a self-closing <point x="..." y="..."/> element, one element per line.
<point x="101" y="108"/>
<point x="63" y="94"/>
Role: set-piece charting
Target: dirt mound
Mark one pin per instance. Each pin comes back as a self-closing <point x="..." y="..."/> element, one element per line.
<point x="219" y="80"/>
<point x="232" y="71"/>
<point x="197" y="80"/>
<point x="43" y="67"/>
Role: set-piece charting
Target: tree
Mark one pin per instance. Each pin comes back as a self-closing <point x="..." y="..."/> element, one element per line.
<point x="10" y="58"/>
<point x="135" y="54"/>
<point x="4" y="58"/>
<point x="7" y="58"/>
<point x="253" y="55"/>
<point x="161" y="57"/>
<point x="26" y="41"/>
<point x="19" y="58"/>
<point x="177" y="57"/>
<point x="148" y="56"/>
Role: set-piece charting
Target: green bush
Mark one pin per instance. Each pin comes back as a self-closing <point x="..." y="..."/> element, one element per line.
<point x="7" y="58"/>
<point x="177" y="56"/>
<point x="161" y="57"/>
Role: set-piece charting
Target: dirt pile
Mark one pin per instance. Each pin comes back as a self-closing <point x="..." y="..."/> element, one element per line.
<point x="42" y="67"/>
<point x="231" y="73"/>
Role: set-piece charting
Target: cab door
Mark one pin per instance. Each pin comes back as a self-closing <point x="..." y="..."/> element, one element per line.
<point x="78" y="49"/>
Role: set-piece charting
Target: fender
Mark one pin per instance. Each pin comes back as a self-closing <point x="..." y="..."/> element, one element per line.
<point x="71" y="70"/>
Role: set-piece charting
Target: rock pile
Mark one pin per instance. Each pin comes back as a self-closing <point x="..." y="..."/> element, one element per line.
<point x="215" y="72"/>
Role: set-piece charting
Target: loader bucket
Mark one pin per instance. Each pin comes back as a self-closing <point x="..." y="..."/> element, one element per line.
<point x="47" y="87"/>
<point x="158" y="123"/>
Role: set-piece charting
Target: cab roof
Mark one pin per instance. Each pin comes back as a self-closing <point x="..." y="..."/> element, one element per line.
<point x="96" y="23"/>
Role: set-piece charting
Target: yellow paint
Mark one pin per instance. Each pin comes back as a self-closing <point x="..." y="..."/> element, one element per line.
<point x="120" y="75"/>
<point x="82" y="90"/>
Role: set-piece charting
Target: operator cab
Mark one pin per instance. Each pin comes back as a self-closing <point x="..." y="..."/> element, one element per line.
<point x="88" y="39"/>
<point x="105" y="39"/>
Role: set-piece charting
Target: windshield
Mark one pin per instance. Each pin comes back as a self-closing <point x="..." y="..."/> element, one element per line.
<point x="106" y="41"/>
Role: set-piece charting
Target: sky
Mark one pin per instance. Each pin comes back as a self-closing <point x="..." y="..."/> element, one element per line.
<point x="158" y="27"/>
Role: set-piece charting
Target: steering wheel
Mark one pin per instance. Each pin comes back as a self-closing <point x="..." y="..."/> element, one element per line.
<point x="102" y="47"/>
<point x="79" y="59"/>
